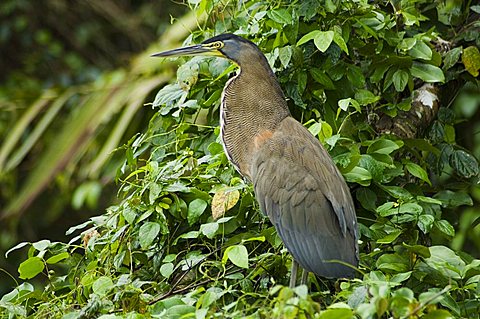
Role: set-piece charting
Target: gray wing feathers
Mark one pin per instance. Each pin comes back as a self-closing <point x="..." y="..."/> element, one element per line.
<point x="305" y="197"/>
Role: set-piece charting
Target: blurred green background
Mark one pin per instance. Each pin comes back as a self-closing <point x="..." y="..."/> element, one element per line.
<point x="59" y="59"/>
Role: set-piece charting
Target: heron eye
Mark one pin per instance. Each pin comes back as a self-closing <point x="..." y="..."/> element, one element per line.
<point x="217" y="45"/>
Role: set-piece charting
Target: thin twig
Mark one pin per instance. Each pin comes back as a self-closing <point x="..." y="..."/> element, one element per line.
<point x="191" y="286"/>
<point x="426" y="302"/>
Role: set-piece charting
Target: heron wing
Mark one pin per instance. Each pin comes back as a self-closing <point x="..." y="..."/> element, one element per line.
<point x="301" y="190"/>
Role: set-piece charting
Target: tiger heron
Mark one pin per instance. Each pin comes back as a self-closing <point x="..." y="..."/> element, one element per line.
<point x="295" y="180"/>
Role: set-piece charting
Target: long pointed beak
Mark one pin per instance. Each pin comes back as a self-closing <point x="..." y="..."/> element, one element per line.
<point x="190" y="50"/>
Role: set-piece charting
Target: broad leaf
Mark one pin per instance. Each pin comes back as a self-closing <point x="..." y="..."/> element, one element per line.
<point x="102" y="285"/>
<point x="195" y="210"/>
<point x="31" y="267"/>
<point x="281" y="16"/>
<point x="322" y="39"/>
<point x="417" y="171"/>
<point x="471" y="60"/>
<point x="384" y="146"/>
<point x="464" y="163"/>
<point x="237" y="254"/>
<point x="400" y="79"/>
<point x="58" y="257"/>
<point x="445" y="227"/>
<point x="148" y="233"/>
<point x="420" y="51"/>
<point x="427" y="72"/>
<point x="453" y="199"/>
<point x="451" y="58"/>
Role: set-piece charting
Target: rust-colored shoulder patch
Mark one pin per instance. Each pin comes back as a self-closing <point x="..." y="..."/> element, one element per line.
<point x="261" y="138"/>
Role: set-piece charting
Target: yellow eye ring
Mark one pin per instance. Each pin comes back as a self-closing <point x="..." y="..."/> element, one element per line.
<point x="217" y="45"/>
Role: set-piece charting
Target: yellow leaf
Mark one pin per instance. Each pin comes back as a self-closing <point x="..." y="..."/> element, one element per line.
<point x="471" y="60"/>
<point x="223" y="201"/>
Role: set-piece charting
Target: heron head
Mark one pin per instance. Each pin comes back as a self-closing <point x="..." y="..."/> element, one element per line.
<point x="227" y="45"/>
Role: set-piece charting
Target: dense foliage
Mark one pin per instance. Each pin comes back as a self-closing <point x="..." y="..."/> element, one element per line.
<point x="65" y="104"/>
<point x="187" y="239"/>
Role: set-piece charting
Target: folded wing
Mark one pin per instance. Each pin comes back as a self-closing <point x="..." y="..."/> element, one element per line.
<point x="301" y="190"/>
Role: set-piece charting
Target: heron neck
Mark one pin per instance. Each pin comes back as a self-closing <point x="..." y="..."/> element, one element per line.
<point x="252" y="103"/>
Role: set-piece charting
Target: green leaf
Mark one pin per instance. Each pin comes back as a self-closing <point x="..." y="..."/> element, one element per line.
<point x="169" y="94"/>
<point x="407" y="44"/>
<point x="322" y="78"/>
<point x="417" y="171"/>
<point x="418" y="249"/>
<point x="355" y="76"/>
<point x="429" y="200"/>
<point x="386" y="209"/>
<point x="195" y="210"/>
<point x="42" y="245"/>
<point x="365" y="97"/>
<point x="322" y="39"/>
<point x="358" y="175"/>
<point x="166" y="270"/>
<point x="31" y="267"/>
<point x="384" y="146"/>
<point x="338" y="39"/>
<point x="421" y="51"/>
<point x="471" y="60"/>
<point x="451" y="58"/>
<point x="400" y="79"/>
<point x="389" y="78"/>
<point x="180" y="312"/>
<point x="379" y="72"/>
<point x="438" y="314"/>
<point x="464" y="163"/>
<point x="209" y="229"/>
<point x="385" y="159"/>
<point x="102" y="285"/>
<point x="344" y="103"/>
<point x="397" y="192"/>
<point x="188" y="235"/>
<point x="285" y="55"/>
<point x="425" y="223"/>
<point x="307" y="37"/>
<point x="453" y="199"/>
<point x="445" y="261"/>
<point x="367" y="198"/>
<point x="56" y="258"/>
<point x="375" y="167"/>
<point x="445" y="227"/>
<point x="315" y="128"/>
<point x="301" y="81"/>
<point x="427" y="72"/>
<point x="208" y="298"/>
<point x="449" y="134"/>
<point x="325" y="132"/>
<point x="129" y="214"/>
<point x="390" y="237"/>
<point x="392" y="262"/>
<point x="437" y="132"/>
<point x="215" y="148"/>
<point x="148" y="233"/>
<point x="410" y="208"/>
<point x="337" y="313"/>
<point x="281" y="16"/>
<point x="237" y="254"/>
